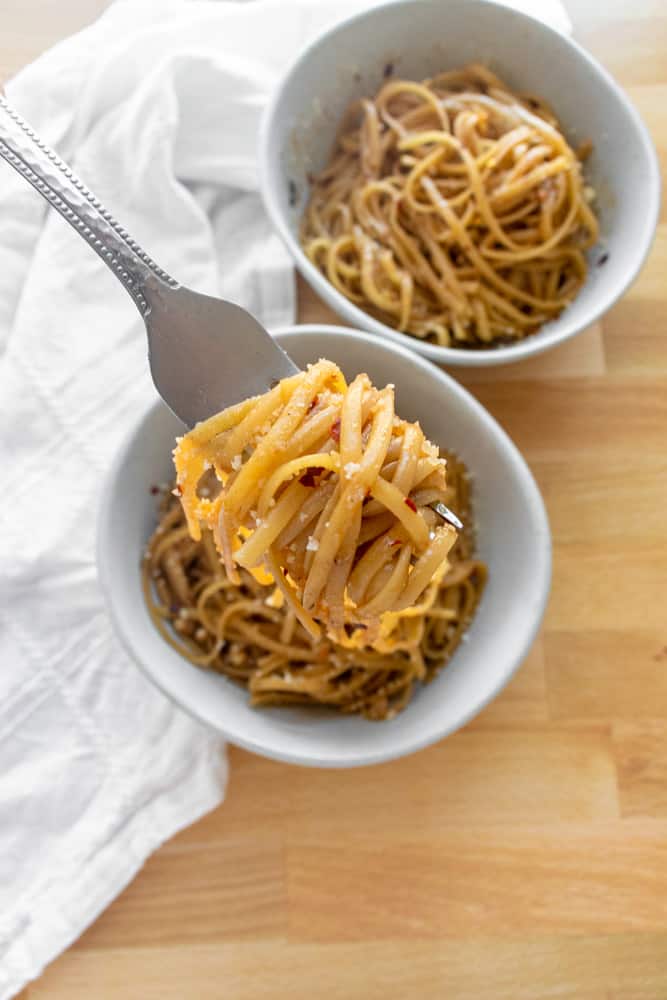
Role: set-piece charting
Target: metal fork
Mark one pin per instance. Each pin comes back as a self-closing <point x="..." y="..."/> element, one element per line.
<point x="204" y="353"/>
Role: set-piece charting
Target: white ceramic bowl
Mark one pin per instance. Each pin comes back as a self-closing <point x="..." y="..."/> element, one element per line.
<point x="513" y="538"/>
<point x="421" y="37"/>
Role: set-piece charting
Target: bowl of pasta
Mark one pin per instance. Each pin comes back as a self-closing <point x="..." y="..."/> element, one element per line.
<point x="336" y="573"/>
<point x="459" y="178"/>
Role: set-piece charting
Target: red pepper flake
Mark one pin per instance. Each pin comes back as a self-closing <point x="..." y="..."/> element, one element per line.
<point x="310" y="476"/>
<point x="313" y="404"/>
<point x="335" y="431"/>
<point x="411" y="504"/>
<point x="396" y="541"/>
<point x="155" y="490"/>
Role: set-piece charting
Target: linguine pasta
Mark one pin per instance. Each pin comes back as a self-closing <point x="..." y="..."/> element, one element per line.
<point x="453" y="210"/>
<point x="323" y="486"/>
<point x="246" y="631"/>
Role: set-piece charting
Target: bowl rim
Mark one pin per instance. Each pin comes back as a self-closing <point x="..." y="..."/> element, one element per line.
<point x="529" y="489"/>
<point x="530" y="346"/>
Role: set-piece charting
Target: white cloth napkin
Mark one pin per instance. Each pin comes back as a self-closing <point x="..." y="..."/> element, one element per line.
<point x="156" y="105"/>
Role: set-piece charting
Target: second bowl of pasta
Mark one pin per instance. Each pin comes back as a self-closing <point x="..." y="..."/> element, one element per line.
<point x="460" y="178"/>
<point x="229" y="648"/>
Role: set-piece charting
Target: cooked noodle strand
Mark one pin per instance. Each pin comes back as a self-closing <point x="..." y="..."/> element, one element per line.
<point x="453" y="210"/>
<point x="251" y="634"/>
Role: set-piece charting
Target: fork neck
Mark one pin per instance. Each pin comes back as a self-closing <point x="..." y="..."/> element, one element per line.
<point x="57" y="183"/>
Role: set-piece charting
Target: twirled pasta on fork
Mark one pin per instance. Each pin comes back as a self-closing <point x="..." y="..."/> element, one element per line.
<point x="323" y="486"/>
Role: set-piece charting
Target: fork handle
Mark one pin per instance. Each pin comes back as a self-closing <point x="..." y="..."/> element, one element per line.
<point x="56" y="182"/>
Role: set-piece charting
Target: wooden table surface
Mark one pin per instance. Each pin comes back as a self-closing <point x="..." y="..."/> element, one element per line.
<point x="526" y="856"/>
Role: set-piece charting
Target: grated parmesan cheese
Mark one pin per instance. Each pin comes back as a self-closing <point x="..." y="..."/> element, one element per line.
<point x="312" y="544"/>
